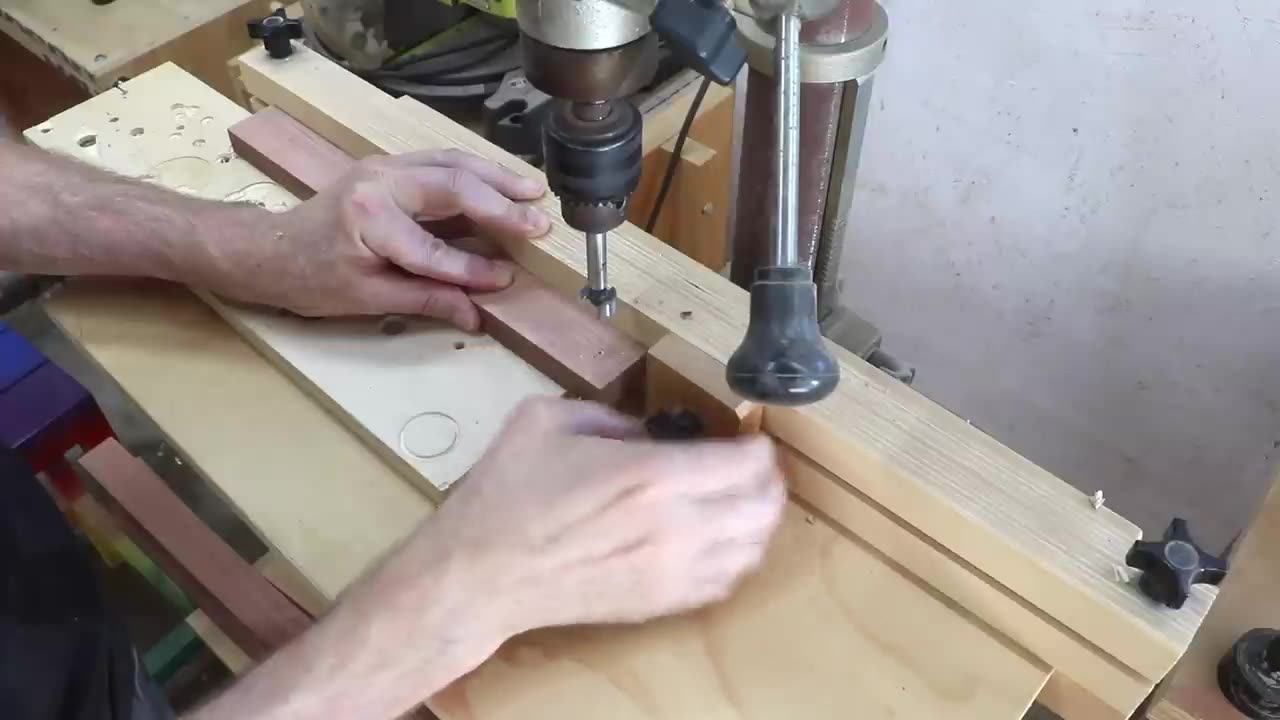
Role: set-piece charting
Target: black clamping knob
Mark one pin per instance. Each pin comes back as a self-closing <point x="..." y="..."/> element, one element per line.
<point x="1171" y="565"/>
<point x="276" y="31"/>
<point x="676" y="424"/>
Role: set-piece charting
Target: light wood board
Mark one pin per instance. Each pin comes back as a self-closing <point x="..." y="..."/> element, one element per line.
<point x="381" y="385"/>
<point x="830" y="629"/>
<point x="98" y="44"/>
<point x="314" y="491"/>
<point x="327" y="502"/>
<point x="1013" y="521"/>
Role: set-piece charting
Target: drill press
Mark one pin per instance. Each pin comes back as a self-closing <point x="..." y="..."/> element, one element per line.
<point x="590" y="55"/>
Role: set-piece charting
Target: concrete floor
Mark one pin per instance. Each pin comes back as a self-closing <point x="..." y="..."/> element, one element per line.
<point x="1064" y="219"/>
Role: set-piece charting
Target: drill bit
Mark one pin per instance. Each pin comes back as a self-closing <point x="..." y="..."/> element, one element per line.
<point x="598" y="292"/>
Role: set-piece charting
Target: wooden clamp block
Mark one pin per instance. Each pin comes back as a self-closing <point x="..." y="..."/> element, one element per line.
<point x="678" y="375"/>
<point x="555" y="334"/>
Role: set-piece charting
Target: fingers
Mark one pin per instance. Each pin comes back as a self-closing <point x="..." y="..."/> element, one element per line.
<point x="711" y="468"/>
<point x="439" y="192"/>
<point x="396" y="237"/>
<point x="393" y="292"/>
<point x="577" y="417"/>
<point x="589" y="418"/>
<point x="746" y="522"/>
<point x="513" y="185"/>
<point x="436" y="192"/>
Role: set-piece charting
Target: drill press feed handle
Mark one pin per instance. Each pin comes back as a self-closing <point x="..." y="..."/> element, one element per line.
<point x="783" y="359"/>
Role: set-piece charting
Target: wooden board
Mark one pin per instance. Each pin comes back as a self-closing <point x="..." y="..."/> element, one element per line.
<point x="1086" y="682"/>
<point x="258" y="616"/>
<point x="830" y="629"/>
<point x="311" y="489"/>
<point x="281" y="574"/>
<point x="1027" y="530"/>
<point x="820" y="630"/>
<point x="558" y="336"/>
<point x="404" y="393"/>
<point x="98" y="44"/>
<point x="30" y="90"/>
<point x="1247" y="601"/>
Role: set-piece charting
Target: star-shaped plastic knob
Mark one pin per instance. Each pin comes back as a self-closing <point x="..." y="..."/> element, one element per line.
<point x="1171" y="565"/>
<point x="276" y="31"/>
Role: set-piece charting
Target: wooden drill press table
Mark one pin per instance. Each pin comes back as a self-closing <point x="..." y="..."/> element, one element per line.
<point x="922" y="571"/>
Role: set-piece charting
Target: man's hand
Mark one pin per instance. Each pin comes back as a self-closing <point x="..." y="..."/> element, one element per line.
<point x="358" y="248"/>
<point x="565" y="522"/>
<point x="571" y="517"/>
<point x="355" y="249"/>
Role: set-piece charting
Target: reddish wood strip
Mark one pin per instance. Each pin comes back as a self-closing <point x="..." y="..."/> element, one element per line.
<point x="555" y="334"/>
<point x="288" y="152"/>
<point x="245" y="605"/>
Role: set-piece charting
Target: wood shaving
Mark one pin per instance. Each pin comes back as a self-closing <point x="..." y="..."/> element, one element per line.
<point x="1098" y="500"/>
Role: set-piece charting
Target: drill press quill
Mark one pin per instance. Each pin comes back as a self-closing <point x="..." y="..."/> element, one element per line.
<point x="590" y="55"/>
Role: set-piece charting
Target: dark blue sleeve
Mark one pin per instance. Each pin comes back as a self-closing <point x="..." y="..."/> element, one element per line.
<point x="63" y="656"/>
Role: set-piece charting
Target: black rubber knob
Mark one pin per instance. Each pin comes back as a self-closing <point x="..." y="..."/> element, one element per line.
<point x="1171" y="565"/>
<point x="1247" y="674"/>
<point x="276" y="31"/>
<point x="783" y="359"/>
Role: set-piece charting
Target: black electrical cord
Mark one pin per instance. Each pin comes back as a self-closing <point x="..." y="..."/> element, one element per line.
<point x="674" y="162"/>
<point x="407" y="68"/>
<point x="401" y="64"/>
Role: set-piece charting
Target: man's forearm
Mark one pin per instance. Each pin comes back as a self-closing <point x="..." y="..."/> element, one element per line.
<point x="362" y="660"/>
<point x="61" y="217"/>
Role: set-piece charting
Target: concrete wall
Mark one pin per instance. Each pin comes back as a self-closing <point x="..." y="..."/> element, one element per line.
<point x="1066" y="219"/>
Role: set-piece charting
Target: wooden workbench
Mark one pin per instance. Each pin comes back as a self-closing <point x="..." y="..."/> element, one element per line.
<point x="96" y="45"/>
<point x="911" y="600"/>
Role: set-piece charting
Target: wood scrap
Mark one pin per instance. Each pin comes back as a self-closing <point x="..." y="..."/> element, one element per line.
<point x="256" y="615"/>
<point x="1013" y="521"/>
<point x="555" y="334"/>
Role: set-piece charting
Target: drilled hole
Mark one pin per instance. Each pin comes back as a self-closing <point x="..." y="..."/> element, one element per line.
<point x="87" y="141"/>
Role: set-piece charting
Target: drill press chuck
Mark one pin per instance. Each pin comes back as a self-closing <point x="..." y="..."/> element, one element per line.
<point x="593" y="155"/>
